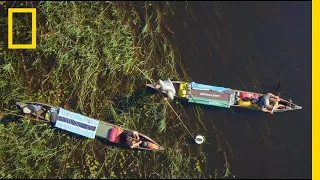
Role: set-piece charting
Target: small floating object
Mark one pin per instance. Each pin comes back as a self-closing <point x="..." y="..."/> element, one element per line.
<point x="199" y="139"/>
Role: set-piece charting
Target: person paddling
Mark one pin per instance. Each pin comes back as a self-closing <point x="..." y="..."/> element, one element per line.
<point x="269" y="102"/>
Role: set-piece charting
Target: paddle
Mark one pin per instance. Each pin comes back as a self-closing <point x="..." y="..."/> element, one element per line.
<point x="279" y="88"/>
<point x="278" y="91"/>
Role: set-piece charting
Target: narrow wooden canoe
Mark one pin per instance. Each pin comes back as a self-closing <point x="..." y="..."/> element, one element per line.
<point x="82" y="125"/>
<point x="219" y="96"/>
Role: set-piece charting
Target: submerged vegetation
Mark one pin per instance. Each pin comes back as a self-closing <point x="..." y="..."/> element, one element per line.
<point x="89" y="59"/>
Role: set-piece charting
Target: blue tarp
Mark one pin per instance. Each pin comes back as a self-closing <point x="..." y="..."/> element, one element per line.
<point x="208" y="87"/>
<point x="76" y="123"/>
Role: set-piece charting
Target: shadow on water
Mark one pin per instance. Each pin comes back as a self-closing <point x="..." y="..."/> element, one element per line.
<point x="191" y="141"/>
<point x="9" y="119"/>
<point x="244" y="111"/>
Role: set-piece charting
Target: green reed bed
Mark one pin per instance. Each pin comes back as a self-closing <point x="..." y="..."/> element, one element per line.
<point x="89" y="59"/>
<point x="26" y="150"/>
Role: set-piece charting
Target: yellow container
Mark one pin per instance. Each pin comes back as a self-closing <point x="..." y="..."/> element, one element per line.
<point x="182" y="90"/>
<point x="47" y="115"/>
<point x="244" y="103"/>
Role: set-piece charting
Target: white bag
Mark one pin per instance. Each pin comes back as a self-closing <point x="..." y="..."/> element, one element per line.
<point x="167" y="86"/>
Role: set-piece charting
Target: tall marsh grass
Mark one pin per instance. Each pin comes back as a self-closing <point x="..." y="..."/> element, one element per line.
<point x="86" y="61"/>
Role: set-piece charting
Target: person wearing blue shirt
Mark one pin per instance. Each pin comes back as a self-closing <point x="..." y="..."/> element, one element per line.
<point x="266" y="101"/>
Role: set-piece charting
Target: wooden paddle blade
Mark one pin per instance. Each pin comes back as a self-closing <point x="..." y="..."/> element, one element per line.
<point x="279" y="88"/>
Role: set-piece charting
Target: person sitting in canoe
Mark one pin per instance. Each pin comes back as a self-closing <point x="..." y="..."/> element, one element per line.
<point x="268" y="101"/>
<point x="33" y="108"/>
<point x="132" y="139"/>
<point x="168" y="87"/>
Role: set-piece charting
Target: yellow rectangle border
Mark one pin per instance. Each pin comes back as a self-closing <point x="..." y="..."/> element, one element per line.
<point x="315" y="90"/>
<point x="33" y="44"/>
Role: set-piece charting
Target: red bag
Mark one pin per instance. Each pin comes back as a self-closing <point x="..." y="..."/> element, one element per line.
<point x="113" y="134"/>
<point x="244" y="95"/>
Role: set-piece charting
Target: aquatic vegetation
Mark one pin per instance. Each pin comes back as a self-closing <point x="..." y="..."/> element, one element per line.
<point x="89" y="59"/>
<point x="224" y="148"/>
<point x="27" y="151"/>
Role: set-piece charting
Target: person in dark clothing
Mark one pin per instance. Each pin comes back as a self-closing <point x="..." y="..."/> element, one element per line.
<point x="130" y="138"/>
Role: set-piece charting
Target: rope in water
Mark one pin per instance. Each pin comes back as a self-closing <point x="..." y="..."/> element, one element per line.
<point x="167" y="102"/>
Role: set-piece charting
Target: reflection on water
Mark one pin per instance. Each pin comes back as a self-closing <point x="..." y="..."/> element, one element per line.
<point x="251" y="46"/>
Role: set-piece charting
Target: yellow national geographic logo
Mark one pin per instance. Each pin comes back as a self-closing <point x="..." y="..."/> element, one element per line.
<point x="34" y="30"/>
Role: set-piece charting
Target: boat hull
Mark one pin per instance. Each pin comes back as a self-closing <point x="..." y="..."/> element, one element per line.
<point x="99" y="128"/>
<point x="220" y="96"/>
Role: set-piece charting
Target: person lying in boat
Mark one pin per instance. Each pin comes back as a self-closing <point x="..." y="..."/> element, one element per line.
<point x="168" y="87"/>
<point x="269" y="102"/>
<point x="130" y="138"/>
<point x="33" y="108"/>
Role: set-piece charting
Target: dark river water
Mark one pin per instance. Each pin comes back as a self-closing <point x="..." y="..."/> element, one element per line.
<point x="251" y="46"/>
